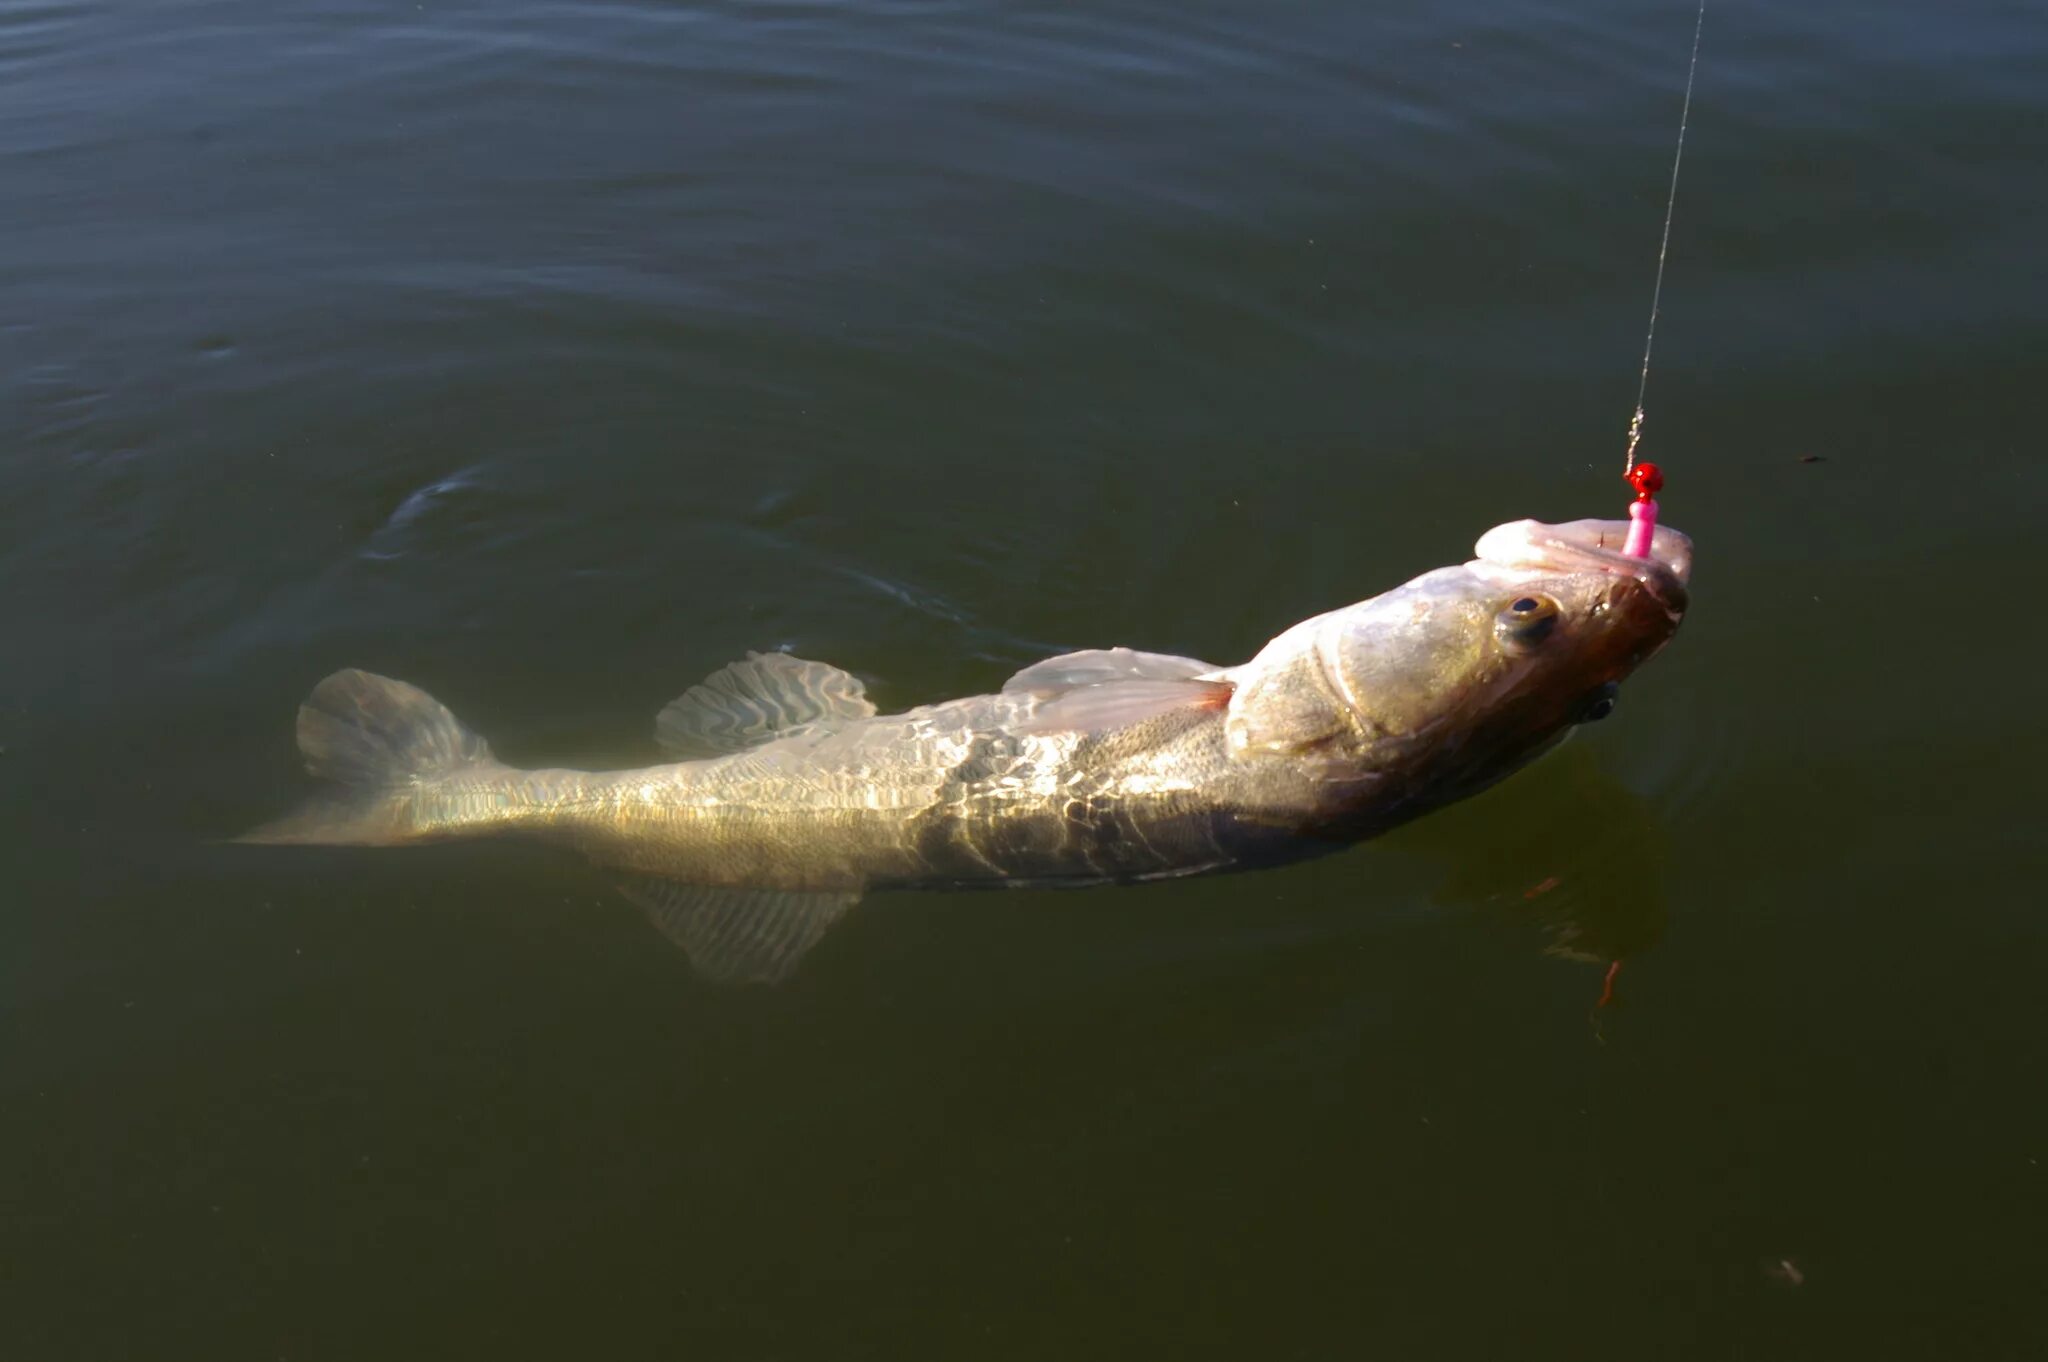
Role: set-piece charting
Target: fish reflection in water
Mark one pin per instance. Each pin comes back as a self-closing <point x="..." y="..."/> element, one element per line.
<point x="787" y="795"/>
<point x="1567" y="848"/>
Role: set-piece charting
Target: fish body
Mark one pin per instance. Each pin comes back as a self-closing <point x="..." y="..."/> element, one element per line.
<point x="789" y="796"/>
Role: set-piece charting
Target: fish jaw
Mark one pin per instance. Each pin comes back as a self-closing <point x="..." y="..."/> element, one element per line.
<point x="1441" y="692"/>
<point x="1529" y="550"/>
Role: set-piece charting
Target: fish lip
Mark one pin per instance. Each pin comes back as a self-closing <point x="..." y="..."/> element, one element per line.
<point x="1525" y="547"/>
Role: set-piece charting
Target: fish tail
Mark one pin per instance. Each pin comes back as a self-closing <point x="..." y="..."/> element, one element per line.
<point x="395" y="763"/>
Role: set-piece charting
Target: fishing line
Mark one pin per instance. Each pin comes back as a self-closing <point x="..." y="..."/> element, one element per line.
<point x="1635" y="425"/>
<point x="1647" y="478"/>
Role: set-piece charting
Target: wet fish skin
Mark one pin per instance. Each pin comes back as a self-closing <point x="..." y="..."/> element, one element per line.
<point x="791" y="796"/>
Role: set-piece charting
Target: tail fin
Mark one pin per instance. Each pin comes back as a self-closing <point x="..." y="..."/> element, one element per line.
<point x="378" y="742"/>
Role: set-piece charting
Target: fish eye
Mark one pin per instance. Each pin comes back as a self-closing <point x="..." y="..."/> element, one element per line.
<point x="1599" y="704"/>
<point x="1527" y="621"/>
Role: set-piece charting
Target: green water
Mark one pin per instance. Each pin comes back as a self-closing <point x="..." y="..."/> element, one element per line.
<point x="551" y="356"/>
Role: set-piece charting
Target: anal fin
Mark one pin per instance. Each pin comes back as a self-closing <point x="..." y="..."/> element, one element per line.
<point x="739" y="936"/>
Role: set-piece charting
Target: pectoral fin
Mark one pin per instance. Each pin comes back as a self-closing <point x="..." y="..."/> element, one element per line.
<point x="1104" y="688"/>
<point x="1096" y="665"/>
<point x="755" y="700"/>
<point x="739" y="936"/>
<point x="1120" y="704"/>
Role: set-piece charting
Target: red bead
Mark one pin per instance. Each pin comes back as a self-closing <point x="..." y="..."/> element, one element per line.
<point x="1647" y="479"/>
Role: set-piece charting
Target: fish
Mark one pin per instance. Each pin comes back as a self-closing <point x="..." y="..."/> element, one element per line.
<point x="786" y="796"/>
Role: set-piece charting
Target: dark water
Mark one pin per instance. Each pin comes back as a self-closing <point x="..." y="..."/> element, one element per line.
<point x="553" y="354"/>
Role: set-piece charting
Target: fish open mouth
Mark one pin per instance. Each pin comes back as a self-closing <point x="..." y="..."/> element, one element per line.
<point x="1522" y="548"/>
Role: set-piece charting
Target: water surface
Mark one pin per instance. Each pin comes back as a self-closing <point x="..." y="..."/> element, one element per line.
<point x="552" y="355"/>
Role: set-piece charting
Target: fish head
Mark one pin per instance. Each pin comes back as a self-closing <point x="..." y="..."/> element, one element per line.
<point x="1457" y="678"/>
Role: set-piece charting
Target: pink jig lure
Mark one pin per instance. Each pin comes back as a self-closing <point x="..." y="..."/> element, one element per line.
<point x="1648" y="480"/>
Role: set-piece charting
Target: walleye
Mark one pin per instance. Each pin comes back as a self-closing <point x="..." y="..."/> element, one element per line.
<point x="787" y="795"/>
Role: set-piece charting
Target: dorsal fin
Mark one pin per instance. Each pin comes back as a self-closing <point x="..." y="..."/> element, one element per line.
<point x="1093" y="666"/>
<point x="739" y="936"/>
<point x="754" y="700"/>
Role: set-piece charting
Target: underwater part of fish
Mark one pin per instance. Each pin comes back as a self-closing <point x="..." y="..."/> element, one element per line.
<point x="788" y="796"/>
